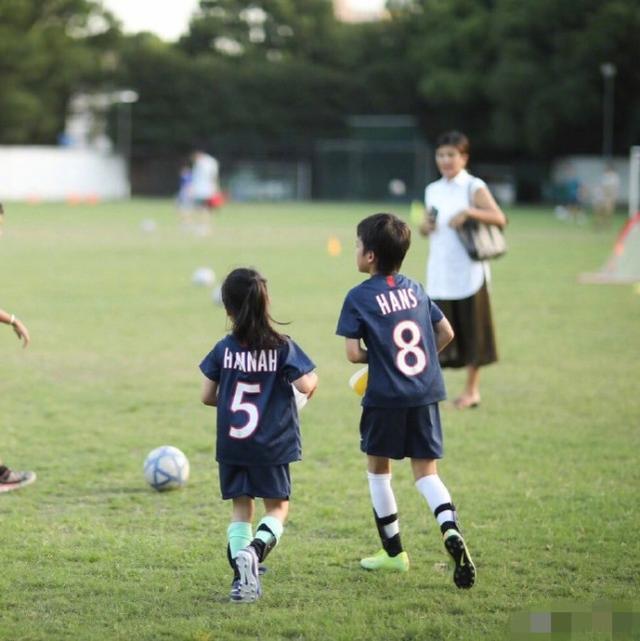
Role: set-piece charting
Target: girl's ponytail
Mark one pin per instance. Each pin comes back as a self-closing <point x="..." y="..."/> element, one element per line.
<point x="245" y="297"/>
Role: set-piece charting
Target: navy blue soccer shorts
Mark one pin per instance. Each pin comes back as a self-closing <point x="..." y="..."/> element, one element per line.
<point x="262" y="481"/>
<point x="402" y="432"/>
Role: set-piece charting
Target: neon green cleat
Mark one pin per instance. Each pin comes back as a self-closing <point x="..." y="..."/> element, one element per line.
<point x="382" y="561"/>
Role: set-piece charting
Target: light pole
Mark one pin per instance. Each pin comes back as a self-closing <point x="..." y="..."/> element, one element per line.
<point x="608" y="71"/>
<point x="124" y="99"/>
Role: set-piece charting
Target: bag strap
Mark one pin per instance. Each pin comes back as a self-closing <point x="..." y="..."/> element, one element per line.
<point x="469" y="190"/>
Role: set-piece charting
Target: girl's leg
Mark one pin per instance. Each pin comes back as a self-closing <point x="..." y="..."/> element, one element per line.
<point x="270" y="527"/>
<point x="239" y="532"/>
<point x="429" y="484"/>
<point x="385" y="512"/>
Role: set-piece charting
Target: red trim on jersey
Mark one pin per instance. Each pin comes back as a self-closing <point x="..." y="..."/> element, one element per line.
<point x="391" y="281"/>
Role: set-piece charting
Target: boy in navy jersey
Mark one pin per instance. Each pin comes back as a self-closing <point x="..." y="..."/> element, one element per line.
<point x="402" y="331"/>
<point x="249" y="376"/>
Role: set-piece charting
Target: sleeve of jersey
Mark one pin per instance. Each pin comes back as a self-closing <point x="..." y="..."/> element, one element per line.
<point x="435" y="313"/>
<point x="210" y="365"/>
<point x="296" y="363"/>
<point x="349" y="323"/>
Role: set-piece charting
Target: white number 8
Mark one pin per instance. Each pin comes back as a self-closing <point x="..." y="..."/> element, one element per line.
<point x="251" y="410"/>
<point x="409" y="347"/>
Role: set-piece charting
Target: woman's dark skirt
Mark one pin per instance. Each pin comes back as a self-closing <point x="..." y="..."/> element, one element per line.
<point x="474" y="342"/>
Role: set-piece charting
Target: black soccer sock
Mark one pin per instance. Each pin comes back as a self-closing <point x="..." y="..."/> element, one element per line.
<point x="232" y="563"/>
<point x="451" y="523"/>
<point x="392" y="544"/>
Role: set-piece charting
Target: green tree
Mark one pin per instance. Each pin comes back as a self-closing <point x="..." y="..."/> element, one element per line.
<point x="48" y="49"/>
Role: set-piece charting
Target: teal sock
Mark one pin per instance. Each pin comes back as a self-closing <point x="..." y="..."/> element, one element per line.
<point x="239" y="536"/>
<point x="269" y="531"/>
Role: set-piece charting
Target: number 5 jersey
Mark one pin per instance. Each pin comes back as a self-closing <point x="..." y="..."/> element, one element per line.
<point x="257" y="420"/>
<point x="394" y="317"/>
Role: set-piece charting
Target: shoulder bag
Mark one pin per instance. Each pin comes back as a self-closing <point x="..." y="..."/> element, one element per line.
<point x="482" y="241"/>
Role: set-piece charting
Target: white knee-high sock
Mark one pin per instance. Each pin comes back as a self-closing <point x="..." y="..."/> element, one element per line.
<point x="384" y="501"/>
<point x="436" y="493"/>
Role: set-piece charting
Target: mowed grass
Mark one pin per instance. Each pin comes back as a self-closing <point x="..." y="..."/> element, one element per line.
<point x="545" y="473"/>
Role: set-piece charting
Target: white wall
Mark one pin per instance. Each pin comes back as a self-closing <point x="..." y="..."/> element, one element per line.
<point x="58" y="173"/>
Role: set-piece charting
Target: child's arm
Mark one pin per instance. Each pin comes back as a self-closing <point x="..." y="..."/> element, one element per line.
<point x="443" y="332"/>
<point x="307" y="384"/>
<point x="18" y="326"/>
<point x="209" y="394"/>
<point x="355" y="352"/>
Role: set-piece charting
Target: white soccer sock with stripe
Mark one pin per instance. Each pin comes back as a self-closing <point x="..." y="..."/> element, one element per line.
<point x="436" y="493"/>
<point x="384" y="501"/>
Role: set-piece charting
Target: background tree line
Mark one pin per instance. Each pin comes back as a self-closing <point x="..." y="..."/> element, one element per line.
<point x="522" y="78"/>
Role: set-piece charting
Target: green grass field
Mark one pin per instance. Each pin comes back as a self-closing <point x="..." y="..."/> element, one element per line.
<point x="545" y="473"/>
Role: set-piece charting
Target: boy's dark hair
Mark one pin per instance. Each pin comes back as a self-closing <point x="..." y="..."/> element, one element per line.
<point x="388" y="238"/>
<point x="245" y="297"/>
<point x="454" y="139"/>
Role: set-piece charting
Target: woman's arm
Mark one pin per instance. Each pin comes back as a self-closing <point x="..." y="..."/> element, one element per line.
<point x="484" y="209"/>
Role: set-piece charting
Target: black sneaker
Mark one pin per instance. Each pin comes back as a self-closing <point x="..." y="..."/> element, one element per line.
<point x="11" y="480"/>
<point x="464" y="574"/>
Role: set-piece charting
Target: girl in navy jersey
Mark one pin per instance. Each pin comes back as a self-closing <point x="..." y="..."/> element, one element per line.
<point x="249" y="376"/>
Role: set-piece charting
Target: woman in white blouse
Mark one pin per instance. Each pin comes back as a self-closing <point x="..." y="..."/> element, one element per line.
<point x="456" y="283"/>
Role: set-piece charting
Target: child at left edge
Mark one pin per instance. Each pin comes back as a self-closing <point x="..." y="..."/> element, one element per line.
<point x="403" y="331"/>
<point x="249" y="376"/>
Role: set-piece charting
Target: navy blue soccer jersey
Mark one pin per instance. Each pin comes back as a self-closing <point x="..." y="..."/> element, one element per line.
<point x="394" y="317"/>
<point x="257" y="417"/>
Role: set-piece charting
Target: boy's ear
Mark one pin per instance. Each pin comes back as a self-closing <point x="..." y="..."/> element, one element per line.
<point x="370" y="256"/>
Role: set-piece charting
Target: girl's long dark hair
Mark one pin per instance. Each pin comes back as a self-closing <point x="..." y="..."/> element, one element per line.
<point x="245" y="297"/>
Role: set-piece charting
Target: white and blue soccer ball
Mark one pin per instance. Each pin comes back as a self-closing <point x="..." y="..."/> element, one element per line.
<point x="166" y="468"/>
<point x="203" y="277"/>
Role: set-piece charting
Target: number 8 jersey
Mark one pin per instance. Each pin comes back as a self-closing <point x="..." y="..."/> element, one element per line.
<point x="394" y="317"/>
<point x="257" y="421"/>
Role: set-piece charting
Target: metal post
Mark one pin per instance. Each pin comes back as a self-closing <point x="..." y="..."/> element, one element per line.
<point x="608" y="71"/>
<point x="634" y="181"/>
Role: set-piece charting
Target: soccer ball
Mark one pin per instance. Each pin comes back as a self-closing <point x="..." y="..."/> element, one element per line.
<point x="358" y="382"/>
<point x="166" y="468"/>
<point x="203" y="276"/>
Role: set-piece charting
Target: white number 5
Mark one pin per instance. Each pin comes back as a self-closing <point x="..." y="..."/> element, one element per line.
<point x="251" y="410"/>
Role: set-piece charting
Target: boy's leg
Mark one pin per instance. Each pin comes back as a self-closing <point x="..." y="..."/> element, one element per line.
<point x="385" y="512"/>
<point x="429" y="484"/>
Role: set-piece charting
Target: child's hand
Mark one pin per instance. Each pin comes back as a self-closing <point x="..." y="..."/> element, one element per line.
<point x="21" y="331"/>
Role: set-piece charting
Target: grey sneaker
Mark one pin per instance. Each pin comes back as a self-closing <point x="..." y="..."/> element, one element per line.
<point x="247" y="564"/>
<point x="11" y="480"/>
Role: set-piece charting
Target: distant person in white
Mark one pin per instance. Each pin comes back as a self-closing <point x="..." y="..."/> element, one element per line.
<point x="204" y="180"/>
<point x="455" y="282"/>
<point x="605" y="196"/>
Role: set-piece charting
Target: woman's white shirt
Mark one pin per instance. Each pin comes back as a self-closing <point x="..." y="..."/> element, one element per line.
<point x="451" y="274"/>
